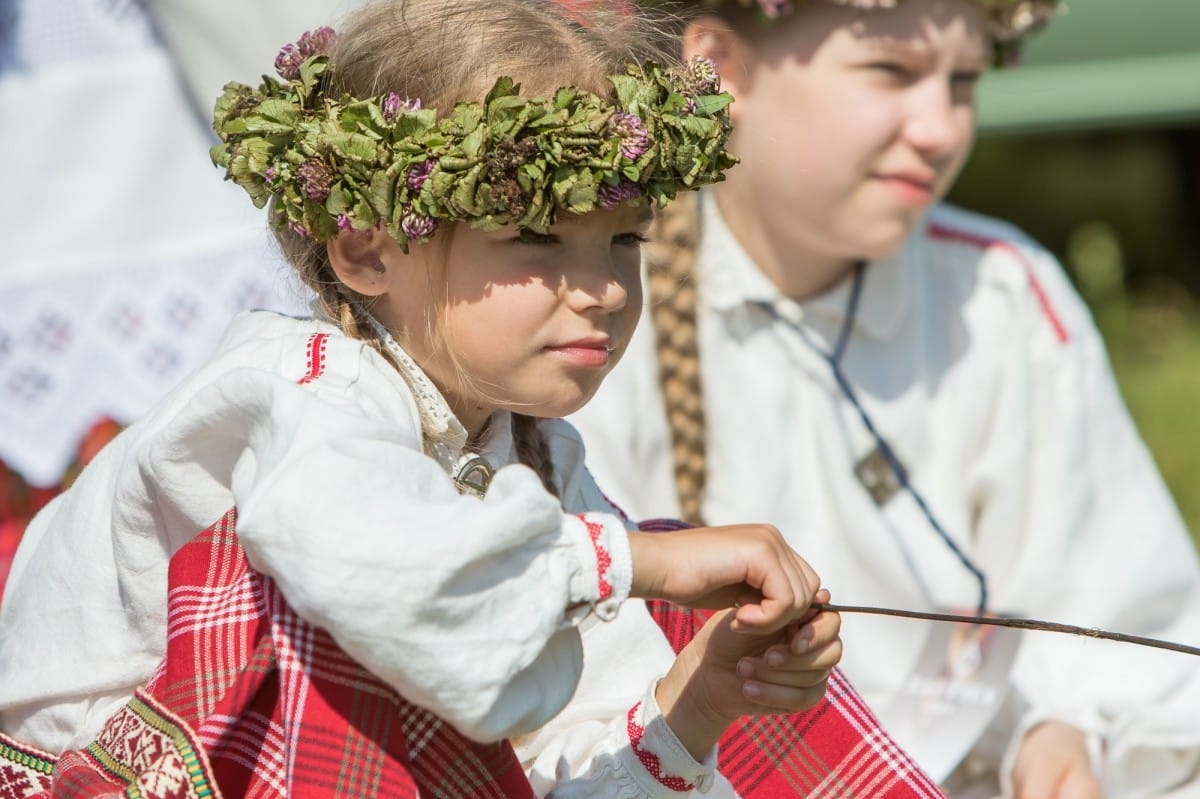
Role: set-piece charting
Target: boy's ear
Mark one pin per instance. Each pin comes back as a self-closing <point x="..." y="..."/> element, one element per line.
<point x="711" y="37"/>
<point x="358" y="261"/>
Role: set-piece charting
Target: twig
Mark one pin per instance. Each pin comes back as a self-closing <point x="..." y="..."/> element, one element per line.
<point x="1023" y="624"/>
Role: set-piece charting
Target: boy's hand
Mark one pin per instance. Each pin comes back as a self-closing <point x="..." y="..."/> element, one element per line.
<point x="1053" y="763"/>
<point x="747" y="565"/>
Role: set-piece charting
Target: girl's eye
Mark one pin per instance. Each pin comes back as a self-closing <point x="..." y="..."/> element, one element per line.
<point x="630" y="239"/>
<point x="532" y="237"/>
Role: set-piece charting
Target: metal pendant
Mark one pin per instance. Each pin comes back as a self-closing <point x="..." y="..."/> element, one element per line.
<point x="877" y="477"/>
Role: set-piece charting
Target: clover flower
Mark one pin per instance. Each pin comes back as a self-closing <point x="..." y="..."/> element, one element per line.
<point x="419" y="174"/>
<point x="418" y="226"/>
<point x="311" y="43"/>
<point x="774" y="9"/>
<point x="635" y="140"/>
<point x="701" y="76"/>
<point x="316" y="178"/>
<point x="393" y="104"/>
<point x="611" y="196"/>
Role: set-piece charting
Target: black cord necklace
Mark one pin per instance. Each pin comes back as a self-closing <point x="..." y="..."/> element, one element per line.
<point x="834" y="359"/>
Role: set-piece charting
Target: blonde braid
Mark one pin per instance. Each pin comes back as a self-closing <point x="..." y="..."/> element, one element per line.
<point x="670" y="273"/>
<point x="533" y="450"/>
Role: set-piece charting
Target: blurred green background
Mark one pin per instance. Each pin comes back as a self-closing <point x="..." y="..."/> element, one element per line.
<point x="1092" y="146"/>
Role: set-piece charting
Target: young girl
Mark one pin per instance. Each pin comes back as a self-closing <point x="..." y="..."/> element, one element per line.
<point x="400" y="553"/>
<point x="914" y="395"/>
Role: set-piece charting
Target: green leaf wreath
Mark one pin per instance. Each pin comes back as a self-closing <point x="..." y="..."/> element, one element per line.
<point x="339" y="163"/>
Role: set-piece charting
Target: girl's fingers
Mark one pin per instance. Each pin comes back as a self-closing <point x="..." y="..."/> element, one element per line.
<point x="778" y="699"/>
<point x="796" y="672"/>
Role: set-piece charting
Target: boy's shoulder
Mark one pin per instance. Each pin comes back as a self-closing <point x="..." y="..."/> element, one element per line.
<point x="982" y="253"/>
<point x="950" y="226"/>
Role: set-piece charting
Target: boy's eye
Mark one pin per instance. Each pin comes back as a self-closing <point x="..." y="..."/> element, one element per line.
<point x="893" y="69"/>
<point x="630" y="239"/>
<point x="532" y="237"/>
<point x="963" y="85"/>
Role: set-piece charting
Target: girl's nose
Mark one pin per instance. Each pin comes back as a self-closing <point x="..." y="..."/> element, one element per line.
<point x="597" y="285"/>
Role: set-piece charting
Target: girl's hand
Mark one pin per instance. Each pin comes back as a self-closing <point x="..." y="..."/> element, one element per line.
<point x="746" y="565"/>
<point x="725" y="673"/>
<point x="1053" y="763"/>
<point x="790" y="676"/>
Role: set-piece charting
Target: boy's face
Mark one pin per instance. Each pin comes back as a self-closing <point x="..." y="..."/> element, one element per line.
<point x="851" y="123"/>
<point x="534" y="322"/>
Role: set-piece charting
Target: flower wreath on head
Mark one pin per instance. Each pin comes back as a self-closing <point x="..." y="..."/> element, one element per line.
<point x="337" y="163"/>
<point x="1009" y="21"/>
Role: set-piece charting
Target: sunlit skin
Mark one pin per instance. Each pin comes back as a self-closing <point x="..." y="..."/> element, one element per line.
<point x="849" y="125"/>
<point x="517" y="321"/>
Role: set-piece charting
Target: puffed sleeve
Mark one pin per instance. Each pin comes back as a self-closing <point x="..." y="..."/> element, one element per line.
<point x="1073" y="505"/>
<point x="467" y="607"/>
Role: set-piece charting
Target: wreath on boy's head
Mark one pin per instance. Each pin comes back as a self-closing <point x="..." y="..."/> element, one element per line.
<point x="336" y="163"/>
<point x="1009" y="21"/>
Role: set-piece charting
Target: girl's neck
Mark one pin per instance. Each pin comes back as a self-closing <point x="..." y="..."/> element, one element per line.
<point x="798" y="273"/>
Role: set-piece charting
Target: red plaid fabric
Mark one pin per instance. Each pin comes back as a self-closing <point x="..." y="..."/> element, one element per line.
<point x="836" y="749"/>
<point x="253" y="701"/>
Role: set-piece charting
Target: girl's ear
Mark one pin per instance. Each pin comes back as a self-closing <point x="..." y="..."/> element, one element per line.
<point x="358" y="261"/>
<point x="711" y="37"/>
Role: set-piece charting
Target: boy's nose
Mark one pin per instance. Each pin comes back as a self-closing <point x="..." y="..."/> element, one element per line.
<point x="936" y="126"/>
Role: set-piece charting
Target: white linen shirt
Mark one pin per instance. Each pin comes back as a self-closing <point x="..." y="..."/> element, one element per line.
<point x="469" y="607"/>
<point x="981" y="367"/>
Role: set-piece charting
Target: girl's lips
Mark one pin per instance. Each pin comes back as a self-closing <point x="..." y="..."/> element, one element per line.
<point x="582" y="353"/>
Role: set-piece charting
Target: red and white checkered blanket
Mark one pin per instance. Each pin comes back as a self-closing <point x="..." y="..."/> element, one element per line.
<point x="253" y="701"/>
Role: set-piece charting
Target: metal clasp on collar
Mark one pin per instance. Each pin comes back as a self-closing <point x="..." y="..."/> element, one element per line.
<point x="474" y="476"/>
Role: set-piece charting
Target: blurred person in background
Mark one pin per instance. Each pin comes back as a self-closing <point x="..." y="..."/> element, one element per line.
<point x="916" y="397"/>
<point x="124" y="259"/>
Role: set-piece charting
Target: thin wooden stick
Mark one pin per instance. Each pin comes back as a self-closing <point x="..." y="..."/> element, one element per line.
<point x="1023" y="624"/>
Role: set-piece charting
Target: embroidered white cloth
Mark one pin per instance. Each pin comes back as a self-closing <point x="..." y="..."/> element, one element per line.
<point x="126" y="255"/>
<point x="981" y="366"/>
<point x="470" y="607"/>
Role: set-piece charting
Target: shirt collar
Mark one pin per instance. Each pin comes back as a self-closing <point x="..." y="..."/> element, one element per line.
<point x="445" y="436"/>
<point x="732" y="280"/>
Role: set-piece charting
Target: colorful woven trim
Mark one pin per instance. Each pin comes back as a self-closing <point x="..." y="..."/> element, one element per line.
<point x="339" y="163"/>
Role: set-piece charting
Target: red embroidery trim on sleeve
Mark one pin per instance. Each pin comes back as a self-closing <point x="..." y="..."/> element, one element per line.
<point x="316" y="357"/>
<point x="603" y="559"/>
<point x="649" y="759"/>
